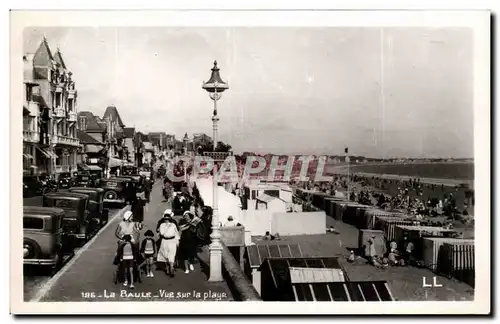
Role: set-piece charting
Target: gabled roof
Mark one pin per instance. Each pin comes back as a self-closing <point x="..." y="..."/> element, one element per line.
<point x="112" y="113"/>
<point x="87" y="139"/>
<point x="92" y="124"/>
<point x="129" y="132"/>
<point x="58" y="58"/>
<point x="43" y="55"/>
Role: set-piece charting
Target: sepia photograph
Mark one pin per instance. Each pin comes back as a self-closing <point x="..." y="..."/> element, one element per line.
<point x="196" y="157"/>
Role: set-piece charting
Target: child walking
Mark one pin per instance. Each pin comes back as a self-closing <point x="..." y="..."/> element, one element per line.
<point x="127" y="257"/>
<point x="148" y="249"/>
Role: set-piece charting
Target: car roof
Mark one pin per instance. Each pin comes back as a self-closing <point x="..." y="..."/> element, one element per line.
<point x="42" y="211"/>
<point x="66" y="195"/>
<point x="119" y="178"/>
<point x="86" y="189"/>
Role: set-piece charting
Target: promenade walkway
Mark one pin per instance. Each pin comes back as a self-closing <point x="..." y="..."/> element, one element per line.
<point x="89" y="276"/>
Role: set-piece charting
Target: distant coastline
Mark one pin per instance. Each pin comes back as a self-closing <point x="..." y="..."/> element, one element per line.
<point x="447" y="173"/>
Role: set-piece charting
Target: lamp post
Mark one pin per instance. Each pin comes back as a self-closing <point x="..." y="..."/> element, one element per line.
<point x="215" y="86"/>
<point x="186" y="141"/>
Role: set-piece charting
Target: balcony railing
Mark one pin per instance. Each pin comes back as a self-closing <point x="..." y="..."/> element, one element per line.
<point x="65" y="140"/>
<point x="59" y="113"/>
<point x="31" y="136"/>
<point x="72" y="116"/>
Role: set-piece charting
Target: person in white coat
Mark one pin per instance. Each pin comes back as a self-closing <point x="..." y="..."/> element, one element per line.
<point x="168" y="247"/>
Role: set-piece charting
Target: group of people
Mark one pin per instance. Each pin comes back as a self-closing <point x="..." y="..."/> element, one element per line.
<point x="382" y="258"/>
<point x="405" y="195"/>
<point x="175" y="241"/>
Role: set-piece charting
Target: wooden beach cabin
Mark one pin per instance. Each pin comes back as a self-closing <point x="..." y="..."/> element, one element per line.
<point x="316" y="279"/>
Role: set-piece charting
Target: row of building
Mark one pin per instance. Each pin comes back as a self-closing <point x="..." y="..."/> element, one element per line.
<point x="58" y="137"/>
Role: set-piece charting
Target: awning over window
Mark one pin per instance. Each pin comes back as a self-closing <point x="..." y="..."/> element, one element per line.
<point x="90" y="148"/>
<point x="47" y="153"/>
<point x="114" y="162"/>
<point x="94" y="168"/>
<point x="83" y="167"/>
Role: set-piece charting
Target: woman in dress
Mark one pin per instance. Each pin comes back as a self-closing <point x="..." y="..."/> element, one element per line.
<point x="169" y="236"/>
<point x="188" y="241"/>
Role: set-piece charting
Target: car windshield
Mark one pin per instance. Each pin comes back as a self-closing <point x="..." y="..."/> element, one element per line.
<point x="70" y="206"/>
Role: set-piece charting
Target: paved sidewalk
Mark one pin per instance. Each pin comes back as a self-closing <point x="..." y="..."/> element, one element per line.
<point x="90" y="277"/>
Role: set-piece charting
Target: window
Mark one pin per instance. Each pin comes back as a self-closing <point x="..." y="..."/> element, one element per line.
<point x="65" y="204"/>
<point x="83" y="123"/>
<point x="29" y="92"/>
<point x="32" y="223"/>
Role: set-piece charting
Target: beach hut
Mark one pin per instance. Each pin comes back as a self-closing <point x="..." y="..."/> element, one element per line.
<point x="418" y="232"/>
<point x="431" y="247"/>
<point x="457" y="260"/>
<point x="415" y="234"/>
<point x="366" y="216"/>
<point x="388" y="225"/>
<point x="350" y="212"/>
<point x="318" y="199"/>
<point x="316" y="279"/>
<point x="256" y="254"/>
<point x="330" y="205"/>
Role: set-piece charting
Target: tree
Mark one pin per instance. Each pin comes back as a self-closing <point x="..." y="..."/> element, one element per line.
<point x="222" y="147"/>
<point x="208" y="147"/>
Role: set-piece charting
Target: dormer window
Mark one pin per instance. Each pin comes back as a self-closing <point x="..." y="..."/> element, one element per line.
<point x="83" y="123"/>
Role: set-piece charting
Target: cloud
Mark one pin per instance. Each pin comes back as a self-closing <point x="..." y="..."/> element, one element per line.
<point x="291" y="89"/>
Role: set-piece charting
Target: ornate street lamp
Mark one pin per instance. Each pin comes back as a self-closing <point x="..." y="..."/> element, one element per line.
<point x="215" y="87"/>
<point x="186" y="141"/>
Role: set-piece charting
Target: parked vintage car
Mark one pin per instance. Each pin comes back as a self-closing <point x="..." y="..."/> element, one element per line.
<point x="138" y="180"/>
<point x="96" y="174"/>
<point x="114" y="191"/>
<point x="76" y="219"/>
<point x="65" y="180"/>
<point x="98" y="214"/>
<point x="83" y="179"/>
<point x="43" y="236"/>
<point x="32" y="186"/>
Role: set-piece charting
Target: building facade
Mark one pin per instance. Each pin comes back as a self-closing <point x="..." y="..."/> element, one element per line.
<point x="54" y="129"/>
<point x="129" y="142"/>
<point x="93" y="138"/>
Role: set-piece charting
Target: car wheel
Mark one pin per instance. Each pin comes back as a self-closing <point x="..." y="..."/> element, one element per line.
<point x="111" y="194"/>
<point x="31" y="249"/>
<point x="59" y="262"/>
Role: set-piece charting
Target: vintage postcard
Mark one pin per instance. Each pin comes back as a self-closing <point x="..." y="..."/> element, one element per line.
<point x="250" y="162"/>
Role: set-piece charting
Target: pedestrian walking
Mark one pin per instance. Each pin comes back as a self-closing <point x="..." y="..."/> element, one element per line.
<point x="148" y="186"/>
<point x="188" y="240"/>
<point x="127" y="254"/>
<point x="148" y="249"/>
<point x="128" y="227"/>
<point x="138" y="209"/>
<point x="169" y="236"/>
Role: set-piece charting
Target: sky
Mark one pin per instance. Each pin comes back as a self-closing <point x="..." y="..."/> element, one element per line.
<point x="391" y="92"/>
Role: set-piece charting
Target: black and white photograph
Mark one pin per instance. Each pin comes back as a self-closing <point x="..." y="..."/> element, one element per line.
<point x="195" y="157"/>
